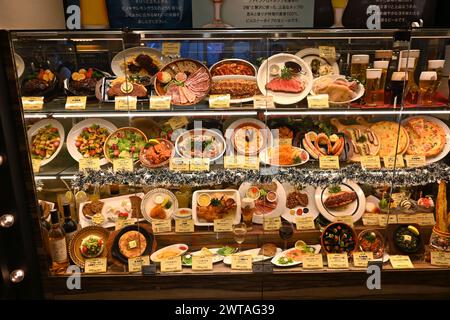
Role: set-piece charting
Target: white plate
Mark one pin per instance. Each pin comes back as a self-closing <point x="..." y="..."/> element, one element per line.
<point x="177" y="214"/>
<point x="374" y="200"/>
<point x="281" y="97"/>
<point x="359" y="92"/>
<point x="439" y="122"/>
<point x="385" y="258"/>
<point x="236" y="77"/>
<point x="309" y="54"/>
<point x="20" y="65"/>
<point x="215" y="258"/>
<point x="41" y="124"/>
<point x="156" y="253"/>
<point x="313" y="211"/>
<point x="218" y="137"/>
<point x="75" y="132"/>
<point x="354" y="209"/>
<point x="229" y="134"/>
<point x="274" y="260"/>
<point x="109" y="202"/>
<point x="264" y="158"/>
<point x="278" y="211"/>
<point x="232" y="193"/>
<point x="251" y="252"/>
<point x="119" y="59"/>
<point x="233" y="60"/>
<point x="148" y="203"/>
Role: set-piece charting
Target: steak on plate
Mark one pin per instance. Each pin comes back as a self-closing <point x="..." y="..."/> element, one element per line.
<point x="285" y="85"/>
<point x="340" y="199"/>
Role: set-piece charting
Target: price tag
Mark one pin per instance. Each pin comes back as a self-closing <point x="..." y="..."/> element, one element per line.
<point x="89" y="163"/>
<point x="241" y="262"/>
<point x="383" y="219"/>
<point x="95" y="265"/>
<point x="120" y="223"/>
<point x="199" y="164"/>
<point x="230" y="162"/>
<point x="171" y="264"/>
<point x="426" y="219"/>
<point x="219" y="101"/>
<point x="271" y="224"/>
<point x="171" y="48"/>
<point x="202" y="263"/>
<point x="327" y="53"/>
<point x="305" y="223"/>
<point x="345" y="219"/>
<point x="415" y="161"/>
<point x="337" y="260"/>
<point x="263" y="102"/>
<point x="370" y="162"/>
<point x="223" y="225"/>
<point x="135" y="264"/>
<point x="123" y="164"/>
<point x="179" y="164"/>
<point x="361" y="259"/>
<point x="407" y="218"/>
<point x="161" y="226"/>
<point x="32" y="103"/>
<point x="125" y="103"/>
<point x="401" y="262"/>
<point x="389" y="162"/>
<point x="441" y="259"/>
<point x="371" y="219"/>
<point x="76" y="103"/>
<point x="36" y="163"/>
<point x="160" y="102"/>
<point x="329" y="162"/>
<point x="312" y="261"/>
<point x="319" y="101"/>
<point x="251" y="163"/>
<point x="184" y="225"/>
<point x="178" y="122"/>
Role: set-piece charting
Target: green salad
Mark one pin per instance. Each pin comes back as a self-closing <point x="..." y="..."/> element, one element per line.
<point x="125" y="144"/>
<point x="285" y="260"/>
<point x="186" y="259"/>
<point x="226" y="251"/>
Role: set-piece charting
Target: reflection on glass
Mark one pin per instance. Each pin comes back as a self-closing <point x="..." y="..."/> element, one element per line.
<point x="359" y="65"/>
<point x="397" y="83"/>
<point x="438" y="66"/>
<point x="217" y="22"/>
<point x="383" y="65"/>
<point x="338" y="8"/>
<point x="373" y="89"/>
<point x="286" y="232"/>
<point x="239" y="233"/>
<point x="427" y="84"/>
<point x="94" y="14"/>
<point x="412" y="89"/>
<point x="248" y="209"/>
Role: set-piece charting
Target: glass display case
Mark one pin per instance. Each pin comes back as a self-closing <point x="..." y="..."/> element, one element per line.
<point x="235" y="163"/>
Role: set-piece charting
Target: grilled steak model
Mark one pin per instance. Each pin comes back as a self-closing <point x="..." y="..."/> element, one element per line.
<point x="340" y="199"/>
<point x="138" y="91"/>
<point x="285" y="85"/>
<point x="295" y="199"/>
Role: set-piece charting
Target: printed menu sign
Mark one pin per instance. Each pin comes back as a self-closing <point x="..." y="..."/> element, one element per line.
<point x="95" y="265"/>
<point x="202" y="263"/>
<point x="160" y="102"/>
<point x="223" y="225"/>
<point x="329" y="162"/>
<point x="171" y="264"/>
<point x="248" y="163"/>
<point x="230" y="162"/>
<point x="345" y="219"/>
<point x="319" y="101"/>
<point x="123" y="164"/>
<point x="135" y="264"/>
<point x="184" y="225"/>
<point x="415" y="161"/>
<point x="271" y="224"/>
<point x="337" y="260"/>
<point x="441" y="259"/>
<point x="401" y="262"/>
<point x="305" y="223"/>
<point x="179" y="164"/>
<point x="171" y="48"/>
<point x="389" y="162"/>
<point x="161" y="226"/>
<point x="121" y="223"/>
<point x="312" y="261"/>
<point x="361" y="259"/>
<point x="371" y="219"/>
<point x="263" y="102"/>
<point x="36" y="163"/>
<point x="327" y="53"/>
<point x="89" y="163"/>
<point x="178" y="122"/>
<point x="219" y="101"/>
<point x="125" y="103"/>
<point x="32" y="103"/>
<point x="241" y="262"/>
<point x="383" y="219"/>
<point x="199" y="164"/>
<point x="426" y="219"/>
<point x="370" y="162"/>
<point x="407" y="218"/>
<point x="76" y="103"/>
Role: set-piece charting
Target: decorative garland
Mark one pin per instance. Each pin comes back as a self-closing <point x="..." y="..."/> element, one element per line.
<point x="314" y="177"/>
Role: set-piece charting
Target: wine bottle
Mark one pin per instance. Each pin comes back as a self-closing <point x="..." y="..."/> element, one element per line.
<point x="69" y="225"/>
<point x="57" y="240"/>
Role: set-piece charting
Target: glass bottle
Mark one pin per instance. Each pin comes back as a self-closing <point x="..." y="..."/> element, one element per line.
<point x="69" y="225"/>
<point x="57" y="241"/>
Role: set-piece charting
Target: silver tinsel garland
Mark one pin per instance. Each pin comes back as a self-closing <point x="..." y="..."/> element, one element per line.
<point x="304" y="176"/>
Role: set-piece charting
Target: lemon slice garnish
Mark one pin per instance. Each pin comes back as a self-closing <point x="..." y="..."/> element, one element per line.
<point x="300" y="245"/>
<point x="413" y="230"/>
<point x="153" y="141"/>
<point x="68" y="196"/>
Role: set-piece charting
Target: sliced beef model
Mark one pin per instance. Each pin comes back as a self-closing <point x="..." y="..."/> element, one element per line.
<point x="340" y="199"/>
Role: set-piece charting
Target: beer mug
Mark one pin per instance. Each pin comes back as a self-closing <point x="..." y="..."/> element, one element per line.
<point x="412" y="89"/>
<point x="373" y="91"/>
<point x="384" y="66"/>
<point x="397" y="83"/>
<point x="358" y="67"/>
<point x="405" y="54"/>
<point x="426" y="86"/>
<point x="438" y="66"/>
<point x="384" y="55"/>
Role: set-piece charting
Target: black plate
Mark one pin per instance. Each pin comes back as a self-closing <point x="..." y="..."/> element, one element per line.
<point x="48" y="93"/>
<point x="115" y="252"/>
<point x="401" y="248"/>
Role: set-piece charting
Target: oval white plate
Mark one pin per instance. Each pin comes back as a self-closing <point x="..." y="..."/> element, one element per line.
<point x="75" y="132"/>
<point x="251" y="252"/>
<point x="20" y="65"/>
<point x="316" y="247"/>
<point x="309" y="54"/>
<point x="281" y="205"/>
<point x="359" y="92"/>
<point x="234" y="60"/>
<point x="229" y="133"/>
<point x="219" y="138"/>
<point x="45" y="122"/>
<point x="313" y="211"/>
<point x="118" y="60"/>
<point x="153" y="256"/>
<point x="264" y="158"/>
<point x="355" y="209"/>
<point x="215" y="258"/>
<point x="281" y="97"/>
<point x="229" y="192"/>
<point x="147" y="203"/>
<point x="236" y="77"/>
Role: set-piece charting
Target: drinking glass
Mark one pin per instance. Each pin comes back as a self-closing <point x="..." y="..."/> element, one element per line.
<point x="412" y="89"/>
<point x="397" y="83"/>
<point x="359" y="65"/>
<point x="338" y="8"/>
<point x="217" y="21"/>
<point x="239" y="232"/>
<point x="248" y="209"/>
<point x="373" y="88"/>
<point x="427" y="83"/>
<point x="286" y="232"/>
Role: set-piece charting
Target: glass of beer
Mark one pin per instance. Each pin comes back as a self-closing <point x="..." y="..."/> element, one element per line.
<point x="94" y="14"/>
<point x="383" y="65"/>
<point x="438" y="66"/>
<point x="397" y="83"/>
<point x="412" y="89"/>
<point x="427" y="84"/>
<point x="384" y="55"/>
<point x="359" y="65"/>
<point x="411" y="54"/>
<point x="338" y="8"/>
<point x="373" y="89"/>
<point x="248" y="210"/>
